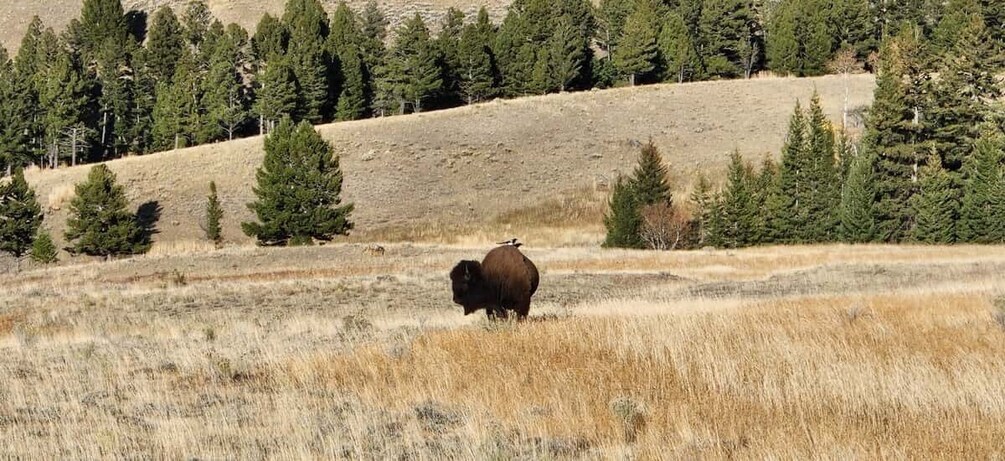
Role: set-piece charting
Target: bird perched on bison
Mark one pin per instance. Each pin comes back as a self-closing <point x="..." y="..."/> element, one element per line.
<point x="504" y="281"/>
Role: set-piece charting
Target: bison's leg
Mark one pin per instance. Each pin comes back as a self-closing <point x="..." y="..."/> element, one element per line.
<point x="522" y="309"/>
<point x="493" y="313"/>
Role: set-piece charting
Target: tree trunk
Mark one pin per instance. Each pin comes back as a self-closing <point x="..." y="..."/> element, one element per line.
<point x="631" y="79"/>
<point x="176" y="139"/>
<point x="73" y="145"/>
<point x="104" y="133"/>
<point x="261" y="125"/>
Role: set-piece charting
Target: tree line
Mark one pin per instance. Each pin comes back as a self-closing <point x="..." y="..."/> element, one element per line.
<point x="929" y="168"/>
<point x="298" y="202"/>
<point x="116" y="83"/>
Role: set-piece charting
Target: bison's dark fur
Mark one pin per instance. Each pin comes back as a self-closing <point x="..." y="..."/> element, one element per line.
<point x="504" y="280"/>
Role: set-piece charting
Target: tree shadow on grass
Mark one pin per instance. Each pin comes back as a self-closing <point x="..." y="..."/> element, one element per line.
<point x="147" y="216"/>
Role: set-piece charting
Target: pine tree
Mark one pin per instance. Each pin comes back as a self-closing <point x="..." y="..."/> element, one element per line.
<point x="214" y="213"/>
<point x="724" y="31"/>
<point x="14" y="127"/>
<point x="99" y="223"/>
<point x="564" y="57"/>
<point x="277" y="94"/>
<point x="177" y="110"/>
<point x="935" y="206"/>
<point x="623" y="220"/>
<point x="43" y="251"/>
<point x="448" y="45"/>
<point x="762" y="186"/>
<point x="959" y="14"/>
<point x="650" y="178"/>
<point x="477" y="66"/>
<point x="27" y="67"/>
<point x="982" y="213"/>
<point x="352" y="102"/>
<point x="344" y="31"/>
<point x="412" y="73"/>
<point x="967" y="84"/>
<point x="858" y="224"/>
<point x="800" y="41"/>
<point x="739" y="212"/>
<point x="299" y="189"/>
<point x="611" y="17"/>
<point x="196" y="22"/>
<point x="66" y="92"/>
<point x="225" y="99"/>
<point x="636" y="53"/>
<point x="165" y="43"/>
<point x="101" y="21"/>
<point x="786" y="206"/>
<point x="115" y="105"/>
<point x="853" y="26"/>
<point x="680" y="59"/>
<point x="307" y="23"/>
<point x="824" y="193"/>
<point x="894" y="132"/>
<point x="704" y="206"/>
<point x="271" y="39"/>
<point x="20" y="215"/>
<point x="515" y="54"/>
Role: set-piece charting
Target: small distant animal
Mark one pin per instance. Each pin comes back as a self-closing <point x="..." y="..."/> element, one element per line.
<point x="511" y="242"/>
<point x="504" y="281"/>
<point x="374" y="250"/>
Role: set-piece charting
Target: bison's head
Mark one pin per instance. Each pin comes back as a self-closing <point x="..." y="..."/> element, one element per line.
<point x="466" y="278"/>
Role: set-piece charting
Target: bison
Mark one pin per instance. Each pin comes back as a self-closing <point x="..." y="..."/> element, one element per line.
<point x="504" y="280"/>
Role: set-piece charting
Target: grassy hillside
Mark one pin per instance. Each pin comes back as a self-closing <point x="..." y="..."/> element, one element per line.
<point x="16" y="14"/>
<point x="527" y="163"/>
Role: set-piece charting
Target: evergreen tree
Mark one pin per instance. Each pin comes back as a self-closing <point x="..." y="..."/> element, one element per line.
<point x="611" y="17"/>
<point x="448" y="44"/>
<point x="680" y="59"/>
<point x="116" y="78"/>
<point x="894" y="131"/>
<point x="762" y="186"/>
<point x="177" y="110"/>
<point x="858" y="224"/>
<point x="623" y="220"/>
<point x="799" y="40"/>
<point x="959" y="14"/>
<point x="165" y="44"/>
<point x="935" y="205"/>
<point x="277" y="94"/>
<point x="352" y="101"/>
<point x="412" y="72"/>
<point x="966" y="85"/>
<point x="739" y="212"/>
<point x="99" y="223"/>
<point x="564" y="57"/>
<point x="824" y="193"/>
<point x="196" y="22"/>
<point x="20" y="215"/>
<point x="636" y="53"/>
<point x="344" y="31"/>
<point x="31" y="57"/>
<point x="650" y="178"/>
<point x="271" y="39"/>
<point x="101" y="21"/>
<point x="14" y="127"/>
<point x="704" y="206"/>
<point x="225" y="99"/>
<point x="214" y="213"/>
<point x="725" y="31"/>
<point x="982" y="214"/>
<point x="43" y="250"/>
<point x="66" y="92"/>
<point x="515" y="54"/>
<point x="477" y="66"/>
<point x="852" y="25"/>
<point x="786" y="206"/>
<point x="299" y="188"/>
<point x="308" y="57"/>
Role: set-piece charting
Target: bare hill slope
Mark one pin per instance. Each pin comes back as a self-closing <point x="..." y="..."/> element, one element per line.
<point x="16" y="14"/>
<point x="469" y="165"/>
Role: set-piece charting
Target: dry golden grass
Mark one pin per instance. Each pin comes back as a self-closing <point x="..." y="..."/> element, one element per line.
<point x="331" y="352"/>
